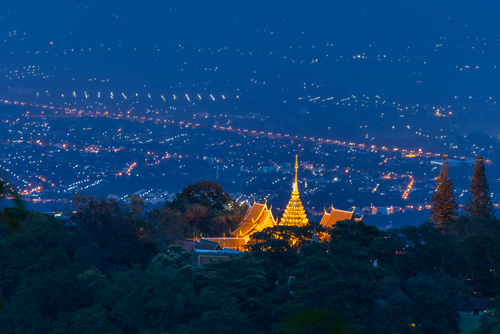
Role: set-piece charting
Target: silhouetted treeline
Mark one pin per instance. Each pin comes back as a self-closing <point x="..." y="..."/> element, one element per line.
<point x="115" y="268"/>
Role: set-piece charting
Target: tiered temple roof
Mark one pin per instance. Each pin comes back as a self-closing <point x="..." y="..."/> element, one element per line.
<point x="257" y="218"/>
<point x="330" y="219"/>
<point x="294" y="215"/>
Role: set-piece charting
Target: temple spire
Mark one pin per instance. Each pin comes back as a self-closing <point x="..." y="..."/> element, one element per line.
<point x="296" y="166"/>
<point x="295" y="186"/>
<point x="295" y="214"/>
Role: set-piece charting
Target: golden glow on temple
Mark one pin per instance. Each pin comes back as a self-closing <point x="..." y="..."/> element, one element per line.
<point x="295" y="214"/>
<point x="257" y="218"/>
<point x="329" y="220"/>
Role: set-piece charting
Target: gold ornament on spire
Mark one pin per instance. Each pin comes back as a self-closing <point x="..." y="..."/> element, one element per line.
<point x="296" y="166"/>
<point x="295" y="214"/>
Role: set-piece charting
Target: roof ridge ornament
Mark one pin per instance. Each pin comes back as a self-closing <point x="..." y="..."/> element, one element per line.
<point x="296" y="166"/>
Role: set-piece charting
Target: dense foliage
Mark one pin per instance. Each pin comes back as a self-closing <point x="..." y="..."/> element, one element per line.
<point x="201" y="209"/>
<point x="113" y="268"/>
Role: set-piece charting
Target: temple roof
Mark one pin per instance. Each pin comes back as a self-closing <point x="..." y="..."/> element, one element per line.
<point x="257" y="218"/>
<point x="254" y="212"/>
<point x="330" y="219"/>
<point x="187" y="243"/>
<point x="206" y="243"/>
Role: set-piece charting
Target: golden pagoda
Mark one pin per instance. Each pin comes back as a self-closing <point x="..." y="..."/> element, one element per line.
<point x="295" y="214"/>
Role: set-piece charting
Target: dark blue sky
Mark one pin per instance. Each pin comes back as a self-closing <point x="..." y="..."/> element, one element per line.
<point x="195" y="22"/>
<point x="225" y="46"/>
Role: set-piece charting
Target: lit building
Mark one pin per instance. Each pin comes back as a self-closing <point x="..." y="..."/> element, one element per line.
<point x="295" y="214"/>
<point x="257" y="218"/>
<point x="330" y="219"/>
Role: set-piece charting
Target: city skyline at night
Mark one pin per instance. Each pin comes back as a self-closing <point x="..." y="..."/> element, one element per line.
<point x="395" y="84"/>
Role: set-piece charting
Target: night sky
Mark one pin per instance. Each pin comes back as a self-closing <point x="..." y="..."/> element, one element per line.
<point x="258" y="50"/>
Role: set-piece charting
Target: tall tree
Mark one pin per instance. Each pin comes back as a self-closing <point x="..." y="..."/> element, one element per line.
<point x="444" y="207"/>
<point x="207" y="209"/>
<point x="204" y="193"/>
<point x="479" y="203"/>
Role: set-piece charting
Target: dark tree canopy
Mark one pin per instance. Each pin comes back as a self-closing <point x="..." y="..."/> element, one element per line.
<point x="490" y="322"/>
<point x="444" y="206"/>
<point x="206" y="209"/>
<point x="205" y="193"/>
<point x="99" y="272"/>
<point x="7" y="190"/>
<point x="479" y="202"/>
<point x="111" y="233"/>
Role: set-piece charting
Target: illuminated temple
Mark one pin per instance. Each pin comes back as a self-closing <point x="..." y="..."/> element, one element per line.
<point x="294" y="215"/>
<point x="259" y="217"/>
<point x="330" y="219"/>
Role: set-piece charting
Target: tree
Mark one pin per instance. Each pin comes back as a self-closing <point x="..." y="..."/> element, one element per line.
<point x="479" y="203"/>
<point x="5" y="216"/>
<point x="204" y="193"/>
<point x="207" y="209"/>
<point x="243" y="279"/>
<point x="435" y="302"/>
<point x="337" y="276"/>
<point x="165" y="226"/>
<point x="489" y="323"/>
<point x="358" y="232"/>
<point x="155" y="298"/>
<point x="176" y="257"/>
<point x="36" y="246"/>
<point x="393" y="308"/>
<point x="278" y="247"/>
<point x="483" y="263"/>
<point x="225" y="321"/>
<point x="6" y="190"/>
<point x="90" y="282"/>
<point x="314" y="321"/>
<point x="199" y="219"/>
<point x="115" y="231"/>
<point x="90" y="320"/>
<point x="444" y="207"/>
<point x="422" y="248"/>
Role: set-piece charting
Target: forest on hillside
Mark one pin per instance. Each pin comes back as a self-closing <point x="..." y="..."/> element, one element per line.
<point x="108" y="267"/>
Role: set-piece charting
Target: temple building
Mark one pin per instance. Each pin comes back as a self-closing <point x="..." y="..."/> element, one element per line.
<point x="295" y="214"/>
<point x="330" y="219"/>
<point x="257" y="218"/>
